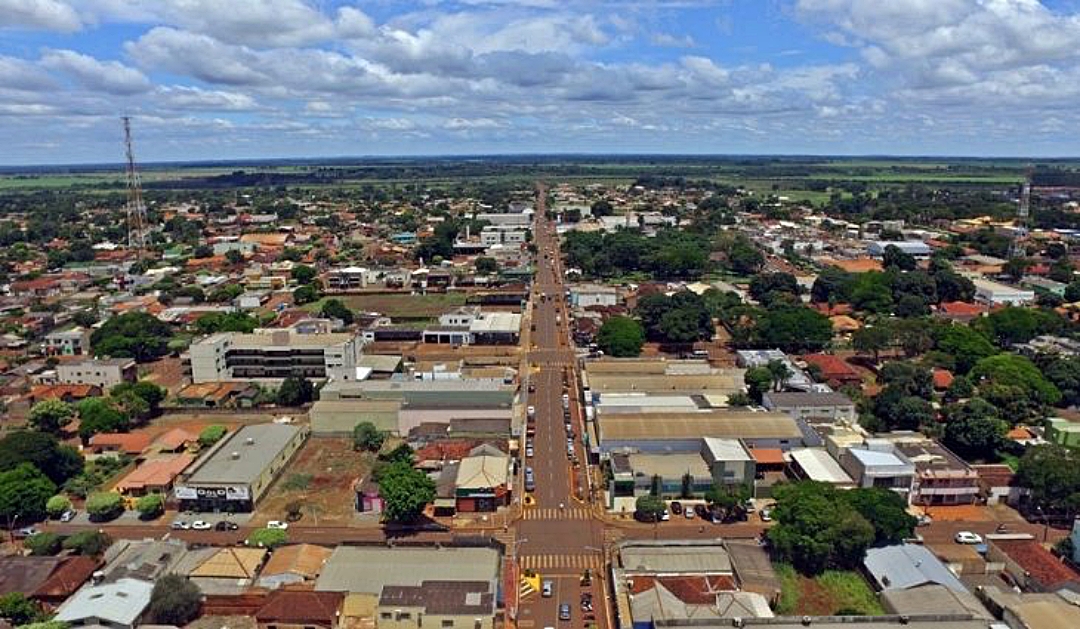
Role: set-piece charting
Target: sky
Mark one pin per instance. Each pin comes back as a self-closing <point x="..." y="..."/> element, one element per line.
<point x="252" y="79"/>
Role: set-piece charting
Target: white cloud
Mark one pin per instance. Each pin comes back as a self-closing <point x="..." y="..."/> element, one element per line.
<point x="52" y="15"/>
<point x="105" y="76"/>
<point x="672" y="41"/>
<point x="184" y="97"/>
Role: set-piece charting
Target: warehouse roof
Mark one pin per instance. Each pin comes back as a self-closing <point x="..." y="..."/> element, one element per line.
<point x="818" y="465"/>
<point x="254" y="445"/>
<point x="367" y="570"/>
<point x="675" y="558"/>
<point x="806" y="398"/>
<point x="659" y="383"/>
<point x="726" y="423"/>
<point x="904" y="566"/>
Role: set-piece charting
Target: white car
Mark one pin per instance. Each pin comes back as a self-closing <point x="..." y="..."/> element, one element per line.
<point x="967" y="537"/>
<point x="180" y="525"/>
<point x="529" y="452"/>
<point x="201" y="525"/>
<point x="277" y="524"/>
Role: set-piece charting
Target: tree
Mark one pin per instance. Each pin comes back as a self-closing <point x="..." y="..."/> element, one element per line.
<point x="303" y="274"/>
<point x="739" y="399"/>
<point x="44" y="544"/>
<point x="1012" y="325"/>
<point x="202" y="251"/>
<point x="872" y="339"/>
<point x="792" y="329"/>
<point x="211" y="435"/>
<point x="966" y="345"/>
<point x="268" y="538"/>
<point x="234" y="256"/>
<point x="147" y="391"/>
<point x="1072" y="291"/>
<point x="974" y="430"/>
<point x="1014" y="269"/>
<point x="295" y="392"/>
<point x="24" y="491"/>
<point x="51" y="415"/>
<point x="832" y="286"/>
<point x="896" y="410"/>
<point x="885" y="510"/>
<point x="910" y="378"/>
<point x="621" y="337"/>
<point x="174" y="601"/>
<point x="1052" y="473"/>
<point x="88" y="543"/>
<point x="214" y="322"/>
<point x="744" y="257"/>
<point x="57" y="505"/>
<point x="896" y="258"/>
<point x="100" y="415"/>
<point x="911" y="306"/>
<point x="334" y="309"/>
<point x="872" y="292"/>
<point x="780" y="373"/>
<point x="770" y="287"/>
<point x="405" y="490"/>
<point x="816" y="528"/>
<point x="150" y="506"/>
<point x="43" y="451"/>
<point x="649" y="508"/>
<point x="367" y="437"/>
<point x="17" y="609"/>
<point x="960" y="388"/>
<point x="136" y="334"/>
<point x="758" y="380"/>
<point x="306" y="294"/>
<point x="1016" y="371"/>
<point x="486" y="266"/>
<point x="1064" y="373"/>
<point x="953" y="286"/>
<point x="601" y="207"/>
<point x="104" y="505"/>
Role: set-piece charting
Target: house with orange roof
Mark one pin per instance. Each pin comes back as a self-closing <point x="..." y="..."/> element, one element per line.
<point x="175" y="440"/>
<point x="834" y="370"/>
<point x="960" y="311"/>
<point x="133" y="443"/>
<point x="943" y="378"/>
<point x="69" y="393"/>
<point x="154" y="476"/>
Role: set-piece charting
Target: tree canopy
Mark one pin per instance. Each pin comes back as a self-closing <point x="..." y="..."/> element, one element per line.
<point x="1012" y="370"/>
<point x="974" y="430"/>
<point x="174" y="601"/>
<point x="43" y="451"/>
<point x="24" y="491"/>
<point x="334" y="309"/>
<point x="817" y="527"/>
<point x="137" y="335"/>
<point x="225" y="322"/>
<point x="1052" y="473"/>
<point x="295" y="392"/>
<point x="680" y="318"/>
<point x="367" y="437"/>
<point x="405" y="490"/>
<point x="621" y="337"/>
<point x="51" y="415"/>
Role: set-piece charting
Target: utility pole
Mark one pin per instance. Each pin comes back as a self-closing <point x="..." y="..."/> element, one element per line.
<point x="136" y="209"/>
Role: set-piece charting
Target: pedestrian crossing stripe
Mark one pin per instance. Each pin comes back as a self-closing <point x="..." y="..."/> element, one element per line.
<point x="571" y="513"/>
<point x="548" y="562"/>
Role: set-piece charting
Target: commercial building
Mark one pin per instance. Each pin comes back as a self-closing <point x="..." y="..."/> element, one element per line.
<point x="339" y="417"/>
<point x="271" y="355"/>
<point x="503" y="235"/>
<point x="1063" y="432"/>
<point x="99" y="372"/>
<point x="234" y="474"/>
<point x="907" y="566"/>
<point x="683" y="431"/>
<point x="588" y="295"/>
<point x="997" y="294"/>
<point x="941" y="477"/>
<point x="349" y="278"/>
<point x="816" y="464"/>
<point x="367" y="570"/>
<point x="811" y="404"/>
<point x="879" y="464"/>
<point x="470" y="326"/>
<point x="443" y="604"/>
<point x="482" y="480"/>
<point x="915" y="248"/>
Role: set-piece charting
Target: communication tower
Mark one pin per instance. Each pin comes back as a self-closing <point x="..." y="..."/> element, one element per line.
<point x="136" y="209"/>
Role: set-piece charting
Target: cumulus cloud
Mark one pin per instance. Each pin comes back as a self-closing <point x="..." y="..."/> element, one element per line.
<point x="106" y="76"/>
<point x="51" y="15"/>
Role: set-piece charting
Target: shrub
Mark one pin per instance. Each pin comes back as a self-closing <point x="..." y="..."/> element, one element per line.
<point x="90" y="543"/>
<point x="105" y="505"/>
<point x="57" y="505"/>
<point x="150" y="506"/>
<point x="267" y="538"/>
<point x="43" y="544"/>
<point x="211" y="435"/>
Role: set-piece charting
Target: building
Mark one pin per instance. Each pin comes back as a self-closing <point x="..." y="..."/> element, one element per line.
<point x="482" y="482"/>
<point x="1032" y="567"/>
<point x="72" y="342"/>
<point x="589" y="295"/>
<point x="154" y="476"/>
<point x="292" y="609"/>
<point x="683" y="431"/>
<point x="503" y="235"/>
<point x="339" y="417"/>
<point x="48" y="580"/>
<point x="119" y="604"/>
<point x="811" y="404"/>
<point x="834" y="370"/>
<point x="1063" y="432"/>
<point x="129" y="443"/>
<point x="470" y="326"/>
<point x="1033" y="610"/>
<point x="271" y="354"/>
<point x="669" y="469"/>
<point x="916" y="248"/>
<point x="997" y="294"/>
<point x="941" y="477"/>
<point x="294" y="563"/>
<point x="367" y="569"/>
<point x="729" y="461"/>
<point x="234" y="474"/>
<point x="908" y="566"/>
<point x="879" y="464"/>
<point x="100" y="372"/>
<point x="349" y="278"/>
<point x="816" y="464"/>
<point x="433" y="603"/>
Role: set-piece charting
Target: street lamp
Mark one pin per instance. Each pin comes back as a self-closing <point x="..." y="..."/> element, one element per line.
<point x="12" y="521"/>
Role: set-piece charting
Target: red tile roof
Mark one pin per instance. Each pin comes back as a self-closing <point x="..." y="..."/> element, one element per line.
<point x="285" y="606"/>
<point x="67" y="578"/>
<point x="832" y="366"/>
<point x="962" y="309"/>
<point x="130" y="442"/>
<point x="768" y="456"/>
<point x="693" y="590"/>
<point x="1042" y="566"/>
<point x="942" y="378"/>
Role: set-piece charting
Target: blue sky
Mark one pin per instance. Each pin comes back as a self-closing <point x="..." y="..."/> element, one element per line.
<point x="215" y="79"/>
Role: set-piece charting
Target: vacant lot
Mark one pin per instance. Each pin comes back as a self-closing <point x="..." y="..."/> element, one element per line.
<point x="831" y="592"/>
<point x="399" y="306"/>
<point x="320" y="478"/>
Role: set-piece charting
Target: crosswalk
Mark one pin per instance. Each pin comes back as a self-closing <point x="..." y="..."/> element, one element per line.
<point x="570" y="513"/>
<point x="557" y="561"/>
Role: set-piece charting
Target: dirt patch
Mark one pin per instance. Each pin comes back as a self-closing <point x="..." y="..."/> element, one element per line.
<point x="814" y="600"/>
<point x="320" y="477"/>
<point x="961" y="513"/>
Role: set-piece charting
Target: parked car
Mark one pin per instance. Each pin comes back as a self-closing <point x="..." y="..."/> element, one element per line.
<point x="546" y="589"/>
<point x="532" y="386"/>
<point x="564" y="611"/>
<point x="277" y="524"/>
<point x="179" y="525"/>
<point x="689" y="513"/>
<point x="676" y="507"/>
<point x="68" y="515"/>
<point x="924" y="520"/>
<point x="766" y="515"/>
<point x="26" y="532"/>
<point x="701" y="511"/>
<point x="586" y="578"/>
<point x="201" y="525"/>
<point x="967" y="537"/>
<point x="226" y="525"/>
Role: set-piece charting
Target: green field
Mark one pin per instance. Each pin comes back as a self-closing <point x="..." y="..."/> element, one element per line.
<point x="830" y="593"/>
<point x="397" y="306"/>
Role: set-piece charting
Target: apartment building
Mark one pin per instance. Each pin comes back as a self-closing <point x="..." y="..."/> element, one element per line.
<point x="72" y="342"/>
<point x="271" y="355"/>
<point x="100" y="372"/>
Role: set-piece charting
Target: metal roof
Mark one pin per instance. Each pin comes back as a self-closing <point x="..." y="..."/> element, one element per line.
<point x="729" y="424"/>
<point x="119" y="603"/>
<point x="906" y="566"/>
<point x="675" y="558"/>
<point x="818" y="465"/>
<point x="221" y="467"/>
<point x="367" y="570"/>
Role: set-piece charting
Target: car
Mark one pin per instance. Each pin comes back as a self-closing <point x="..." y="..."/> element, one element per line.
<point x="748" y="506"/>
<point x="676" y="507"/>
<point x="924" y="520"/>
<point x="528" y="451"/>
<point x="277" y="524"/>
<point x="564" y="611"/>
<point x="26" y="532"/>
<point x="68" y="515"/>
<point x="967" y="537"/>
<point x="701" y="511"/>
<point x="586" y="578"/>
<point x="226" y="525"/>
<point x="665" y="516"/>
<point x="689" y="513"/>
<point x="531" y="411"/>
<point x="201" y="525"/>
<point x="586" y="602"/>
<point x="546" y="589"/>
<point x="766" y="515"/>
<point x="532" y="388"/>
<point x="179" y="525"/>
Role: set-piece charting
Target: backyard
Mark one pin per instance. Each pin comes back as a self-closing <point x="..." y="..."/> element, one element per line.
<point x="831" y="592"/>
<point x="320" y="478"/>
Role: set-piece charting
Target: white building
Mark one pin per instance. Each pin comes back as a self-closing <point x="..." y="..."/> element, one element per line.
<point x="271" y="354"/>
<point x="997" y="294"/>
<point x="593" y="295"/>
<point x="73" y="342"/>
<point x="101" y="372"/>
<point x="503" y="235"/>
<point x="915" y="248"/>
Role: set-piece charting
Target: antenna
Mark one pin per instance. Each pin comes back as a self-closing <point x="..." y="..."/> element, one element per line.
<point x="1023" y="209"/>
<point x="136" y="210"/>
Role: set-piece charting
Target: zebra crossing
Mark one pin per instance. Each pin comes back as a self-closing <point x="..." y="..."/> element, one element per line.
<point x="570" y="513"/>
<point x="573" y="562"/>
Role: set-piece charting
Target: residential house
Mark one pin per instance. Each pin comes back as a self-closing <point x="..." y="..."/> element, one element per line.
<point x="908" y="566"/>
<point x="48" y="580"/>
<point x="997" y="484"/>
<point x="292" y="564"/>
<point x="71" y="342"/>
<point x="1063" y="432"/>
<point x="154" y="476"/>
<point x="879" y="464"/>
<point x="129" y="443"/>
<point x="299" y="609"/>
<point x="960" y="311"/>
<point x="483" y="480"/>
<point x="834" y="370"/>
<point x="119" y="604"/>
<point x="1031" y="565"/>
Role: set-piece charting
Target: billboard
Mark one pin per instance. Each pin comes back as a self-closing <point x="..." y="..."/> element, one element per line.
<point x="228" y="492"/>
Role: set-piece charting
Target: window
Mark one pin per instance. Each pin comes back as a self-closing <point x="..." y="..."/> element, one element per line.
<point x="447" y="623"/>
<point x="384" y="616"/>
<point x="405" y="616"/>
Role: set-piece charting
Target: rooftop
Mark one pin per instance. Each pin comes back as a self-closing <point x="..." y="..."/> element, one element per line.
<point x="669" y="465"/>
<point x="818" y="465"/>
<point x="471" y="598"/>
<point x="698" y="558"/>
<point x="254" y="445"/>
<point x="728" y="423"/>
<point x="368" y="569"/>
<point x="121" y="603"/>
<point x="905" y="566"/>
<point x="807" y="398"/>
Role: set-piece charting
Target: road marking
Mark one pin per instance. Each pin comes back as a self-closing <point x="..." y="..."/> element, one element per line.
<point x="572" y="513"/>
<point x="550" y="562"/>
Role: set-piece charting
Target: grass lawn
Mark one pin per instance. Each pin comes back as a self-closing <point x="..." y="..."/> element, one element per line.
<point x="828" y="593"/>
<point x="398" y="306"/>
